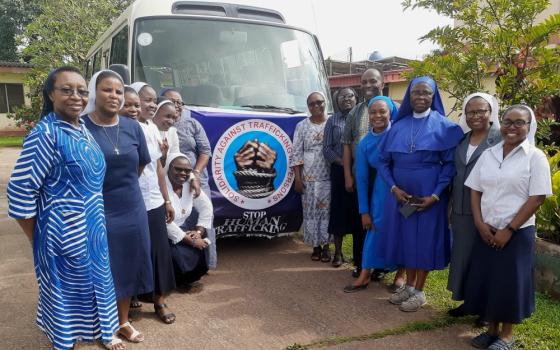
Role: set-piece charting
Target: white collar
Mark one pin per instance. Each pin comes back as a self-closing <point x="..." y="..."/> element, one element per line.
<point x="498" y="150"/>
<point x="421" y="115"/>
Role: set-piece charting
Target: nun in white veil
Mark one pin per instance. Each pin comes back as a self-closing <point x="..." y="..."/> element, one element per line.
<point x="508" y="184"/>
<point x="481" y="124"/>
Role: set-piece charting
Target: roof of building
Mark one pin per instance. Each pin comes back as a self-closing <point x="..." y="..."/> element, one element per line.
<point x="336" y="67"/>
<point x="15" y="64"/>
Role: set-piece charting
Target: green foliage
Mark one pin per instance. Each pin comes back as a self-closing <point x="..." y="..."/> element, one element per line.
<point x="11" y="141"/>
<point x="61" y="35"/>
<point x="492" y="38"/>
<point x="14" y="15"/>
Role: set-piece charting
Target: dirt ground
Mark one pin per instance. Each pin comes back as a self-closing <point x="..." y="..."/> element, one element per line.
<point x="265" y="294"/>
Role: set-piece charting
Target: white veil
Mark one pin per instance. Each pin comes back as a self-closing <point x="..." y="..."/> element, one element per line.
<point x="90" y="107"/>
<point x="494" y="114"/>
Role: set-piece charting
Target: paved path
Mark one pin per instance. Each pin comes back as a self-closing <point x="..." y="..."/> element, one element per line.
<point x="266" y="294"/>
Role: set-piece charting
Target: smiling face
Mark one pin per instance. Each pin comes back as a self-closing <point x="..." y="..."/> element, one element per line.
<point x="177" y="100"/>
<point x="346" y="100"/>
<point x="165" y="117"/>
<point x="379" y="116"/>
<point x="109" y="95"/>
<point x="316" y="105"/>
<point x="131" y="106"/>
<point x="148" y="103"/>
<point x="372" y="83"/>
<point x="515" y="126"/>
<point x="69" y="106"/>
<point x="477" y="114"/>
<point x="421" y="96"/>
<point x="179" y="171"/>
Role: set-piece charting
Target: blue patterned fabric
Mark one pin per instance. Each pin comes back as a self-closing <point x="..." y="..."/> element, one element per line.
<point x="58" y="180"/>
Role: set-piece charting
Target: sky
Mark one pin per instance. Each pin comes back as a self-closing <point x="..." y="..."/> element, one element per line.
<point x="364" y="25"/>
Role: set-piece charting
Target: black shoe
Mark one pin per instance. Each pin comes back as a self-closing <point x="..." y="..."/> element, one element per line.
<point x="337" y="260"/>
<point x="352" y="288"/>
<point x="377" y="275"/>
<point x="480" y="323"/>
<point x="456" y="312"/>
<point x="356" y="272"/>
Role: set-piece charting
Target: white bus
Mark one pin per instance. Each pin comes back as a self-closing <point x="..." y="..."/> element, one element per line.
<point x="243" y="73"/>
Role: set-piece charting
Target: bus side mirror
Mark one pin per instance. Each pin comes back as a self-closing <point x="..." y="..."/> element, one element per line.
<point x="123" y="71"/>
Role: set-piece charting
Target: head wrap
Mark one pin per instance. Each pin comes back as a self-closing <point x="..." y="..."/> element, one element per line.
<point x="162" y="103"/>
<point x="90" y="107"/>
<point x="324" y="98"/>
<point x="406" y="107"/>
<point x="393" y="110"/>
<point x="494" y="113"/>
<point x="532" y="126"/>
<point x="137" y="86"/>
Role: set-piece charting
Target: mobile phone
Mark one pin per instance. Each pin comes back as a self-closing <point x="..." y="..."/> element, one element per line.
<point x="415" y="200"/>
<point x="407" y="209"/>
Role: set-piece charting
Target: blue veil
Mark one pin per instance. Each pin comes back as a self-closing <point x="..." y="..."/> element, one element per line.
<point x="406" y="107"/>
<point x="393" y="108"/>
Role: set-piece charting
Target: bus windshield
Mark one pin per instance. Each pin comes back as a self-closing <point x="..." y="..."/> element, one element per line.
<point x="228" y="64"/>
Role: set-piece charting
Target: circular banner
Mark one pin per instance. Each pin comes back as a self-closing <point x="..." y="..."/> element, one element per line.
<point x="250" y="164"/>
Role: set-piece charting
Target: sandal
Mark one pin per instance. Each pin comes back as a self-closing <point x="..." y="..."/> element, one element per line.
<point x="135" y="303"/>
<point x="483" y="340"/>
<point x="316" y="256"/>
<point x="326" y="255"/>
<point x="114" y="344"/>
<point x="501" y="344"/>
<point x="167" y="318"/>
<point x="135" y="337"/>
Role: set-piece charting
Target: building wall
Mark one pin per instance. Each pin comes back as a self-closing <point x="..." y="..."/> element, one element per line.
<point x="8" y="125"/>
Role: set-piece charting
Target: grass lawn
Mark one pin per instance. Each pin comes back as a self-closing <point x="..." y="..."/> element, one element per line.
<point x="540" y="332"/>
<point x="11" y="141"/>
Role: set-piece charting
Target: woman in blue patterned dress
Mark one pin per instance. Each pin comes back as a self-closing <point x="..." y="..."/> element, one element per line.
<point x="55" y="195"/>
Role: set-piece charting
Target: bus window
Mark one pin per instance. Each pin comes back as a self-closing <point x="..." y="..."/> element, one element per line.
<point x="96" y="61"/>
<point x="119" y="47"/>
<point x="227" y="64"/>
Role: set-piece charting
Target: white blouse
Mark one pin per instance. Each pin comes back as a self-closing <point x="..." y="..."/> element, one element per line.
<point x="506" y="184"/>
<point x="470" y="151"/>
<point x="183" y="207"/>
<point x="149" y="185"/>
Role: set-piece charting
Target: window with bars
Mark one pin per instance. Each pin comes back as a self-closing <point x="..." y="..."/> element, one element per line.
<point x="11" y="96"/>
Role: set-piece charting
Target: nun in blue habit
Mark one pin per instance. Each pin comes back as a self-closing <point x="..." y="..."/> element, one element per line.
<point x="416" y="163"/>
<point x="371" y="195"/>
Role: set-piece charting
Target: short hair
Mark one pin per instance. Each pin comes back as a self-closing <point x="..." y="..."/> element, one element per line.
<point x="48" y="86"/>
<point x="379" y="70"/>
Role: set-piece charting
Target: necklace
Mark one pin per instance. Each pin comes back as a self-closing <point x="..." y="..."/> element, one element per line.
<point x="413" y="136"/>
<point x="116" y="144"/>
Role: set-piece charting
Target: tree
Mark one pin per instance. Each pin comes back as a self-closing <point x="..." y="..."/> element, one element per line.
<point x="492" y="38"/>
<point x="14" y="16"/>
<point x="62" y="35"/>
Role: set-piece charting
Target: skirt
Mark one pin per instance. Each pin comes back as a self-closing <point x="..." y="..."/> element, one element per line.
<point x="464" y="234"/>
<point x="344" y="217"/>
<point x="189" y="263"/>
<point x="500" y="284"/>
<point x="164" y="279"/>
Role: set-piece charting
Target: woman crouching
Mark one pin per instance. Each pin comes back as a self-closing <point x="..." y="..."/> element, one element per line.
<point x="187" y="246"/>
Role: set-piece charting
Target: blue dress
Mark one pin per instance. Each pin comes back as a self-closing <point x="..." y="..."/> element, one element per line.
<point x="372" y="202"/>
<point x="125" y="213"/>
<point x="417" y="156"/>
<point x="58" y="180"/>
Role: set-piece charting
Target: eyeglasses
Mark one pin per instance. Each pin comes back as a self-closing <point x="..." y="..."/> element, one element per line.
<point x="315" y="103"/>
<point x="347" y="96"/>
<point x="479" y="113"/>
<point x="186" y="171"/>
<point x="517" y="123"/>
<point x="421" y="93"/>
<point x="178" y="103"/>
<point x="70" y="92"/>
